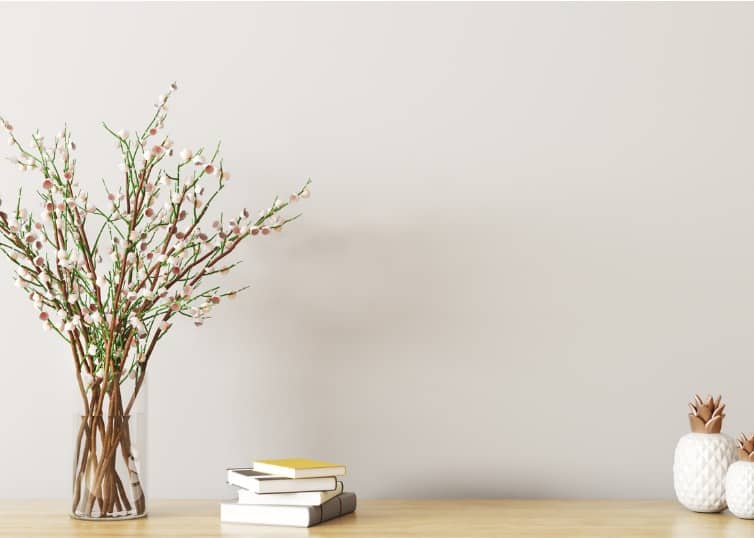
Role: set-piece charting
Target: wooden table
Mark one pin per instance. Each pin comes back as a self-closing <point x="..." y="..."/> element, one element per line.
<point x="410" y="518"/>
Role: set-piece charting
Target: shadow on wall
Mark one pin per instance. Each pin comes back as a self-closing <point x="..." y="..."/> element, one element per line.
<point x="372" y="285"/>
<point x="390" y="322"/>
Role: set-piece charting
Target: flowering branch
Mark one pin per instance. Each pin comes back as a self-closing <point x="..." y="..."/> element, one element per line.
<point x="114" y="297"/>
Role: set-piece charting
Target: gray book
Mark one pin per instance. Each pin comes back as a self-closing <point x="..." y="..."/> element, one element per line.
<point x="294" y="516"/>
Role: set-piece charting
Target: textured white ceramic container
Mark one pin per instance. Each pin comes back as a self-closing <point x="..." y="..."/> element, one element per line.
<point x="739" y="489"/>
<point x="700" y="468"/>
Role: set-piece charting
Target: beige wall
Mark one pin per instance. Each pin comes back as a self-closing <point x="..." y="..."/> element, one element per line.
<point x="530" y="240"/>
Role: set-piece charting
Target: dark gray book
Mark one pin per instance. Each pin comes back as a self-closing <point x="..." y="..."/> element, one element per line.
<point x="293" y="516"/>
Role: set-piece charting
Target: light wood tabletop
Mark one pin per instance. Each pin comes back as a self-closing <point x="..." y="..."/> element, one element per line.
<point x="385" y="518"/>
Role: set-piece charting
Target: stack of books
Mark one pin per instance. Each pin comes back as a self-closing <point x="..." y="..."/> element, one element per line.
<point x="297" y="492"/>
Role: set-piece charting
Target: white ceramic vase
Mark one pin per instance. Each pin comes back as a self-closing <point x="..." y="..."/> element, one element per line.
<point x="739" y="489"/>
<point x="700" y="468"/>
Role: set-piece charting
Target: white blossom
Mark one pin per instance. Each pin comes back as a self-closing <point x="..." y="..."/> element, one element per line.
<point x="86" y="379"/>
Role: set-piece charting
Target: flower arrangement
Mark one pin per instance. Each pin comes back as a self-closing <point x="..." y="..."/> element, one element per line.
<point x="111" y="280"/>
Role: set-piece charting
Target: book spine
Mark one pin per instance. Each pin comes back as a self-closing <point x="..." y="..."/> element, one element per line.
<point x="343" y="504"/>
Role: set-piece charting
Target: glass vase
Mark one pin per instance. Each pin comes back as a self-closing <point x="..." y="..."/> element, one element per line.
<point x="109" y="465"/>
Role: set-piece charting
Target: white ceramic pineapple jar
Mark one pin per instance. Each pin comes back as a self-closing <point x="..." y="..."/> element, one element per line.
<point x="739" y="484"/>
<point x="702" y="459"/>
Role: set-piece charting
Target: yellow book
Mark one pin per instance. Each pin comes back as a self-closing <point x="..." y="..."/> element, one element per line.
<point x="299" y="468"/>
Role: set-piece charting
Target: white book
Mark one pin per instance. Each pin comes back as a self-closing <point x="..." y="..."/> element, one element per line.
<point x="304" y="498"/>
<point x="258" y="482"/>
<point x="294" y="516"/>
